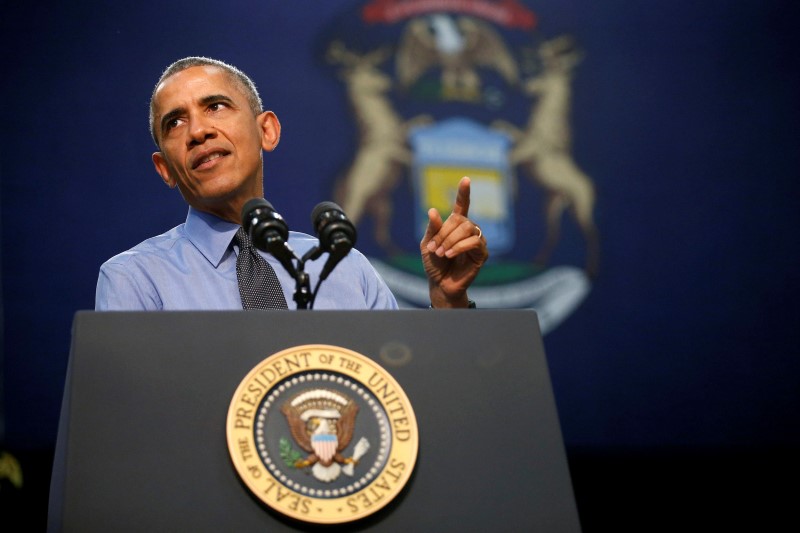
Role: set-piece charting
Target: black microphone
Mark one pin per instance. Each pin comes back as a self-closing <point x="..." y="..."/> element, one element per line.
<point x="337" y="235"/>
<point x="268" y="231"/>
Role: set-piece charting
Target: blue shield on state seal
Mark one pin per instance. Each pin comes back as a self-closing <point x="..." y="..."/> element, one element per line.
<point x="457" y="147"/>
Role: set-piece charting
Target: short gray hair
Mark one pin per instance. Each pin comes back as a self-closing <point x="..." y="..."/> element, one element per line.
<point x="238" y="77"/>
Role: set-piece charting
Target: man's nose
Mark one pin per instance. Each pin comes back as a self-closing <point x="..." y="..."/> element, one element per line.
<point x="200" y="129"/>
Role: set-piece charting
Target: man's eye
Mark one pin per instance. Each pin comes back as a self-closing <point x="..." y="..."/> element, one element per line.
<point x="170" y="124"/>
<point x="216" y="106"/>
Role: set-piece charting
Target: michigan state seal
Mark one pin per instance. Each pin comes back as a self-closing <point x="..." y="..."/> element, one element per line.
<point x="322" y="434"/>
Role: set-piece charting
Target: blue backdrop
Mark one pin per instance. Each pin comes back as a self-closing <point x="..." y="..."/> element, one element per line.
<point x="684" y="114"/>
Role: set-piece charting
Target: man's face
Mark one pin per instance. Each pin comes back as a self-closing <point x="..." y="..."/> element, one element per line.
<point x="210" y="141"/>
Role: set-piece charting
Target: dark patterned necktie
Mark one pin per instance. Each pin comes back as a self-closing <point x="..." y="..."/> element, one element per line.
<point x="258" y="284"/>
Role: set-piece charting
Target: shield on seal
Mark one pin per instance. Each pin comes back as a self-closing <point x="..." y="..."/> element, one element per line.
<point x="324" y="446"/>
<point x="457" y="147"/>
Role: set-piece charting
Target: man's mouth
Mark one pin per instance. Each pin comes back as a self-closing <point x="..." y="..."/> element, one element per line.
<point x="207" y="159"/>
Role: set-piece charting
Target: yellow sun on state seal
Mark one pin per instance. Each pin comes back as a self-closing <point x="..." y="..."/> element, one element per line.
<point x="322" y="434"/>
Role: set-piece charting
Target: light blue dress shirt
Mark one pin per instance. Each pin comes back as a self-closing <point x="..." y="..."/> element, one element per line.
<point x="193" y="267"/>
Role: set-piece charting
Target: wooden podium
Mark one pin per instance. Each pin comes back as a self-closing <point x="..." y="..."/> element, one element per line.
<point x="142" y="442"/>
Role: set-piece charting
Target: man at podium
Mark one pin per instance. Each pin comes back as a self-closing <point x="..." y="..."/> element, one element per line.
<point x="208" y="123"/>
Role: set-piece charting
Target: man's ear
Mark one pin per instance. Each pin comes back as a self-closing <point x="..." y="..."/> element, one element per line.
<point x="163" y="169"/>
<point x="270" y="130"/>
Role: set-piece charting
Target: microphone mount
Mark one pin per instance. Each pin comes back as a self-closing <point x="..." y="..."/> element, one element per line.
<point x="270" y="233"/>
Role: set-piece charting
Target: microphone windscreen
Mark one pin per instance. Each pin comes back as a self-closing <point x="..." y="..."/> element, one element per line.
<point x="252" y="205"/>
<point x="323" y="207"/>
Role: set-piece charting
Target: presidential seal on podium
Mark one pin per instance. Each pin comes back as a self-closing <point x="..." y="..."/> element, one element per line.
<point x="322" y="434"/>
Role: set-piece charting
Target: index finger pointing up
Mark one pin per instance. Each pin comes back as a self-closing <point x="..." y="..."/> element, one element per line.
<point x="462" y="198"/>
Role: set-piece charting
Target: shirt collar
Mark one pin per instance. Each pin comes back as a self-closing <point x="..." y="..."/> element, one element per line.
<point x="209" y="234"/>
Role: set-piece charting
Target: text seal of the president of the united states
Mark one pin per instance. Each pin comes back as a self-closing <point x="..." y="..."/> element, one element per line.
<point x="322" y="434"/>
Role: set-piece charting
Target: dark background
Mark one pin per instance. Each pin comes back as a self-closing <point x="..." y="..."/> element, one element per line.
<point x="676" y="380"/>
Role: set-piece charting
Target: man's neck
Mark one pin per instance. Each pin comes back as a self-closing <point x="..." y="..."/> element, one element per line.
<point x="230" y="210"/>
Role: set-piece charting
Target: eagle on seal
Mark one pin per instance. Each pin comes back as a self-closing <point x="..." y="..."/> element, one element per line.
<point x="455" y="45"/>
<point x="323" y="432"/>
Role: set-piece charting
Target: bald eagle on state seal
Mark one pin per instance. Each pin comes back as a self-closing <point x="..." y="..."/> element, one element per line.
<point x="455" y="45"/>
<point x="322" y="423"/>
